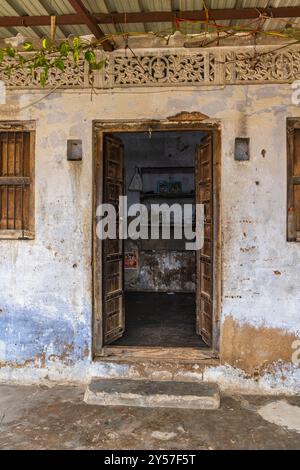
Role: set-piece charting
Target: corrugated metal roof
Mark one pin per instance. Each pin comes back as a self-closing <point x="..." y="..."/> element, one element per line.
<point x="58" y="7"/>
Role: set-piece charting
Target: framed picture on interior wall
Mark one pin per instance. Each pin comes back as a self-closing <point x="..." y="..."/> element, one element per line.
<point x="131" y="260"/>
<point x="163" y="187"/>
<point x="175" y="187"/>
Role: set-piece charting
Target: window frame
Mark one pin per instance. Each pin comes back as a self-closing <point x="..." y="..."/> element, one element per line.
<point x="22" y="234"/>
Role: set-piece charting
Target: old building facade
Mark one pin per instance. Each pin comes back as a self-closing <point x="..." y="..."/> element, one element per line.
<point x="49" y="301"/>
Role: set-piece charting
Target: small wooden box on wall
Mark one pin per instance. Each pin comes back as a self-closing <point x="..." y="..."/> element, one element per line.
<point x="242" y="149"/>
<point x="74" y="150"/>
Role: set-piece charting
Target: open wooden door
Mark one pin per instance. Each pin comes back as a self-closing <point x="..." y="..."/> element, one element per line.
<point x="204" y="195"/>
<point x="113" y="250"/>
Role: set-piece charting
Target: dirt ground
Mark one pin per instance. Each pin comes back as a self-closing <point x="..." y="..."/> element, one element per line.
<point x="57" y="418"/>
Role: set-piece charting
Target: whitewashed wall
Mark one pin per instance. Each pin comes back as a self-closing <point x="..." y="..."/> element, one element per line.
<point x="45" y="297"/>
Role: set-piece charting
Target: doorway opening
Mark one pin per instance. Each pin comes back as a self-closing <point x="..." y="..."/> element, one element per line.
<point x="160" y="275"/>
<point x="156" y="292"/>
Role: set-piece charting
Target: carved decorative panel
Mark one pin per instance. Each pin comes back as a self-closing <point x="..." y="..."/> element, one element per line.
<point x="157" y="70"/>
<point x="74" y="76"/>
<point x="262" y="67"/>
<point x="172" y="67"/>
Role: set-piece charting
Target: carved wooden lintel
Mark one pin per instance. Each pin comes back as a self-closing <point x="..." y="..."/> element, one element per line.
<point x="188" y="116"/>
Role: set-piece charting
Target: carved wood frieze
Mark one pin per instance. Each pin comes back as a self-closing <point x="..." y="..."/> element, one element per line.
<point x="177" y="67"/>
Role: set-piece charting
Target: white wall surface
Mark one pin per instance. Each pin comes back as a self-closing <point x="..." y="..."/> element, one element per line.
<point x="45" y="297"/>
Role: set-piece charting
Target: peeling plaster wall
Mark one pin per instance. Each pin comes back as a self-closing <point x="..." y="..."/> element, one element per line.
<point x="45" y="298"/>
<point x="162" y="271"/>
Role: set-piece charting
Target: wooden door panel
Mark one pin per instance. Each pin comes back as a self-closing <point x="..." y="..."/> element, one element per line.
<point x="207" y="229"/>
<point x="113" y="326"/>
<point x="206" y="279"/>
<point x="113" y="249"/>
<point x="114" y="190"/>
<point x="207" y="250"/>
<point x="206" y="320"/>
<point x="204" y="195"/>
<point x="205" y="171"/>
<point x="114" y="277"/>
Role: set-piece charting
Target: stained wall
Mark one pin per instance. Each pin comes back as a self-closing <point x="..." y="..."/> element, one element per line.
<point x="46" y="284"/>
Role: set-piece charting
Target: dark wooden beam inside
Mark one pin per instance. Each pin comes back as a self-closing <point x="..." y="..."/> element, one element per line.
<point x="83" y="16"/>
<point x="88" y="19"/>
<point x="216" y="14"/>
<point x="15" y="21"/>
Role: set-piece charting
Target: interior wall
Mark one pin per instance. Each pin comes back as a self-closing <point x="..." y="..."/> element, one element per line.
<point x="162" y="265"/>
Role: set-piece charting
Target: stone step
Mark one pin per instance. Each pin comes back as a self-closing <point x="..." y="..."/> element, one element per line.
<point x="153" y="394"/>
<point x="155" y="364"/>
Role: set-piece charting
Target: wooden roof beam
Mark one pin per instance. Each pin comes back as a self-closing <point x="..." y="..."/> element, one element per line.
<point x="93" y="21"/>
<point x="44" y="20"/>
<point x="88" y="19"/>
<point x="200" y="15"/>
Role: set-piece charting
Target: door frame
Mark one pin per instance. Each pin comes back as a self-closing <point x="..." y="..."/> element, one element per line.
<point x="100" y="128"/>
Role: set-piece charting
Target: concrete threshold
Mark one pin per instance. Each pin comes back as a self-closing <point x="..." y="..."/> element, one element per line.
<point x="153" y="394"/>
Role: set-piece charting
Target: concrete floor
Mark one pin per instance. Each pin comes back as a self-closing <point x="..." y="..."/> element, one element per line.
<point x="160" y="319"/>
<point x="57" y="418"/>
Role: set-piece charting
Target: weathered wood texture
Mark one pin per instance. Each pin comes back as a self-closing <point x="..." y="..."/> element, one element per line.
<point x="204" y="196"/>
<point x="293" y="184"/>
<point x="85" y="17"/>
<point x="16" y="182"/>
<point x="113" y="249"/>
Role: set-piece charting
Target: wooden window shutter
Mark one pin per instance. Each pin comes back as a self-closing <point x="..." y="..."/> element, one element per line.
<point x="16" y="182"/>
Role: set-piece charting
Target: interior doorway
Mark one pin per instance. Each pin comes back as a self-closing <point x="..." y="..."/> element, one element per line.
<point x="156" y="292"/>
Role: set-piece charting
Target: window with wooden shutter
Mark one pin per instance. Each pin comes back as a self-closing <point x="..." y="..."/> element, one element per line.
<point x="16" y="180"/>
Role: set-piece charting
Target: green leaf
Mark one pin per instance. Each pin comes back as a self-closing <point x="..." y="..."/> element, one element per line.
<point x="64" y="49"/>
<point x="76" y="42"/>
<point x="90" y="57"/>
<point x="21" y="59"/>
<point x="10" y="51"/>
<point x="27" y="46"/>
<point x="43" y="78"/>
<point x="46" y="44"/>
<point x="59" y="64"/>
<point x="98" y="65"/>
<point x="76" y="48"/>
<point x="1" y="56"/>
<point x="76" y="55"/>
<point x="40" y="61"/>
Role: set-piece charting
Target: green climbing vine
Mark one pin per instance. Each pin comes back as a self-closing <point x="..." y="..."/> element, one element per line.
<point x="40" y="62"/>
